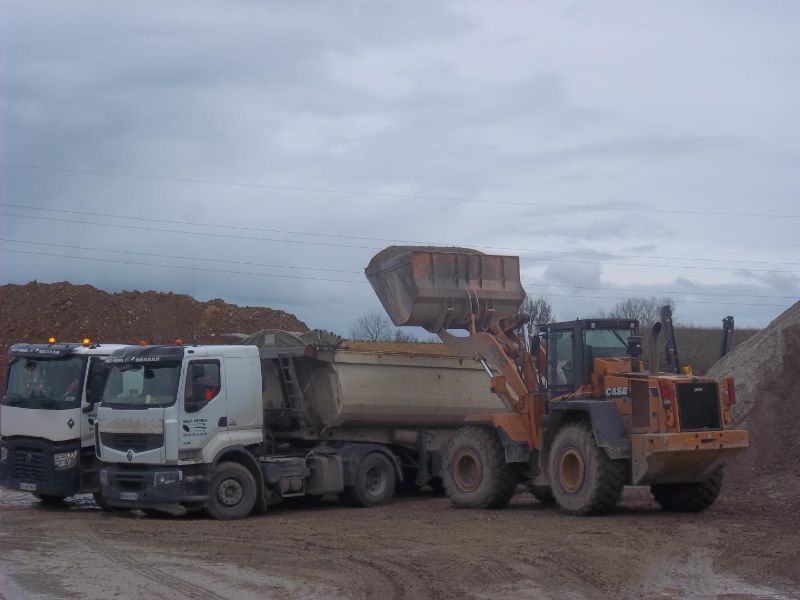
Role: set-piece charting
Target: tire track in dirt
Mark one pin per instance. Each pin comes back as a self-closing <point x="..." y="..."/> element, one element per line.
<point x="175" y="584"/>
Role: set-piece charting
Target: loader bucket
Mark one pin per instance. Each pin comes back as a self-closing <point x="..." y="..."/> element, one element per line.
<point x="436" y="288"/>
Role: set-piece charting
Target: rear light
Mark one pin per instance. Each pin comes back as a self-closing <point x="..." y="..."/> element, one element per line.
<point x="666" y="393"/>
<point x="731" y="391"/>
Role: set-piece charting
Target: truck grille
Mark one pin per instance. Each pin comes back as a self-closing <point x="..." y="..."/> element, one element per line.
<point x="698" y="406"/>
<point x="138" y="442"/>
<point x="28" y="465"/>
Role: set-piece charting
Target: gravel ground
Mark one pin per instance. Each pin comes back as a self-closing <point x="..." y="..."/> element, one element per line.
<point x="746" y="546"/>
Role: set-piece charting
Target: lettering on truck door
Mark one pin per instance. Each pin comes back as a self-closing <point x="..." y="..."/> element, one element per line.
<point x="205" y="407"/>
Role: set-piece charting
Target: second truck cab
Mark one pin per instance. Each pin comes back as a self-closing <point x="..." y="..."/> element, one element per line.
<point x="47" y="418"/>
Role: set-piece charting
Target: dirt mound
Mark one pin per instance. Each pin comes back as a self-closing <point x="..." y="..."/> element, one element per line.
<point x="766" y="368"/>
<point x="34" y="311"/>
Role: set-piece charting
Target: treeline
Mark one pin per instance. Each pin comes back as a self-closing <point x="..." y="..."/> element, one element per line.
<point x="697" y="346"/>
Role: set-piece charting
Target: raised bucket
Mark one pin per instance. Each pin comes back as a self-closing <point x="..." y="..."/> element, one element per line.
<point x="436" y="288"/>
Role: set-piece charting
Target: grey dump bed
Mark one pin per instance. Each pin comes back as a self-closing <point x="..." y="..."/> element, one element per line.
<point x="356" y="384"/>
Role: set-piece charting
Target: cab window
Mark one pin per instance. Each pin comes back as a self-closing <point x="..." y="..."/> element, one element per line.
<point x="559" y="350"/>
<point x="203" y="384"/>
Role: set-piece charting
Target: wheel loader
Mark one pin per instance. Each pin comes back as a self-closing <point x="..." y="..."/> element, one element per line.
<point x="584" y="416"/>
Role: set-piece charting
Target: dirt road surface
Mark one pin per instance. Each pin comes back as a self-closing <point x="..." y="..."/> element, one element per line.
<point x="746" y="546"/>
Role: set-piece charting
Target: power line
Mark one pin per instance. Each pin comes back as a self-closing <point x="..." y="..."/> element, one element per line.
<point x="385" y="240"/>
<point x="301" y="277"/>
<point x="360" y="247"/>
<point x="391" y="195"/>
<point x="202" y="259"/>
<point x="187" y="268"/>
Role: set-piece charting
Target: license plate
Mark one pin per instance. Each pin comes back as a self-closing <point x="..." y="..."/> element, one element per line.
<point x="128" y="496"/>
<point x="28" y="487"/>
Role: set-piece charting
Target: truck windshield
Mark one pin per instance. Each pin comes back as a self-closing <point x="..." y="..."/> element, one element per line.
<point x="55" y="383"/>
<point x="142" y="386"/>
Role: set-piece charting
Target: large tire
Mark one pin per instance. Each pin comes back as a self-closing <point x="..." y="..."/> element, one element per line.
<point x="375" y="482"/>
<point x="688" y="497"/>
<point x="233" y="492"/>
<point x="100" y="500"/>
<point x="583" y="479"/>
<point x="475" y="472"/>
<point x="50" y="500"/>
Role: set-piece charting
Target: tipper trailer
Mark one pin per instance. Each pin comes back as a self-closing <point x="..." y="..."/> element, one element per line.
<point x="47" y="418"/>
<point x="276" y="415"/>
<point x="583" y="416"/>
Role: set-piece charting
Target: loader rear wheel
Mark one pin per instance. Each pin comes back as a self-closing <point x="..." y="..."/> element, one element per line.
<point x="584" y="480"/>
<point x="688" y="497"/>
<point x="475" y="473"/>
<point x="233" y="492"/>
<point x="375" y="482"/>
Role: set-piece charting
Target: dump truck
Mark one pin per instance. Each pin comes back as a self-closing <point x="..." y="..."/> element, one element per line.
<point x="583" y="416"/>
<point x="47" y="417"/>
<point x="277" y="416"/>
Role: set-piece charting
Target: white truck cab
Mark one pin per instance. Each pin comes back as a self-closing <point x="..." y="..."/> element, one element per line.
<point x="47" y="417"/>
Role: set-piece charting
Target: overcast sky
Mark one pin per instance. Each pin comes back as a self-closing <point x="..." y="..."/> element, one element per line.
<point x="620" y="148"/>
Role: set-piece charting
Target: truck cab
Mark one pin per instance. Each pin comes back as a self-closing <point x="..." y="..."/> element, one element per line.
<point x="47" y="417"/>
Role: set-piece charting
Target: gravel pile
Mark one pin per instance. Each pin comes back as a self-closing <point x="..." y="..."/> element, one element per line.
<point x="766" y="368"/>
<point x="34" y="311"/>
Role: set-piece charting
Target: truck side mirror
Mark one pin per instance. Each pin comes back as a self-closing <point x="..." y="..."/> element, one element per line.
<point x="94" y="385"/>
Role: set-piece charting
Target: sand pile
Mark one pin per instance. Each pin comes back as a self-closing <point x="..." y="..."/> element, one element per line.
<point x="766" y="368"/>
<point x="32" y="312"/>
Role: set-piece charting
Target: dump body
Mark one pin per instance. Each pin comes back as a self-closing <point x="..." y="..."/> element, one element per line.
<point x="375" y="384"/>
<point x="438" y="288"/>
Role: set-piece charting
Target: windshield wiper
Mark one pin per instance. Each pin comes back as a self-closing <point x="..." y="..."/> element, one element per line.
<point x="616" y="335"/>
<point x="12" y="399"/>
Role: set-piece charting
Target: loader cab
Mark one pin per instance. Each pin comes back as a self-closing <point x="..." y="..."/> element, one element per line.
<point x="572" y="346"/>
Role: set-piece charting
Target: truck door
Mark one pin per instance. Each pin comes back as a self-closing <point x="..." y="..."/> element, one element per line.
<point x="204" y="412"/>
<point x="92" y="391"/>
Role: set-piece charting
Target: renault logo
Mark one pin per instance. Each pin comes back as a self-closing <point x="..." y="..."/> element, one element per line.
<point x="129" y="455"/>
<point x="28" y="458"/>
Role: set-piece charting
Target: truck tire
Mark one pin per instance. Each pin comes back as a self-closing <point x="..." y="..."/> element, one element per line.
<point x="49" y="500"/>
<point x="543" y="493"/>
<point x="100" y="500"/>
<point x="688" y="497"/>
<point x="233" y="492"/>
<point x="584" y="481"/>
<point x="475" y="472"/>
<point x="375" y="482"/>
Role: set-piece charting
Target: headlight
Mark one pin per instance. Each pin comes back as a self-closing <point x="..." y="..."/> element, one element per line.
<point x="65" y="460"/>
<point x="167" y="477"/>
<point x="3" y="454"/>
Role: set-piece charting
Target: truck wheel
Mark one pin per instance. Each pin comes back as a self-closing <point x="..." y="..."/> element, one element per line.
<point x="233" y="492"/>
<point x="475" y="472"/>
<point x="688" y="497"/>
<point x="375" y="481"/>
<point x="49" y="500"/>
<point x="100" y="500"/>
<point x="584" y="480"/>
<point x="543" y="494"/>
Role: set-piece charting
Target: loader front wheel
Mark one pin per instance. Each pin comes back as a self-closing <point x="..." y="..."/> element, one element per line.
<point x="475" y="473"/>
<point x="688" y="497"/>
<point x="584" y="480"/>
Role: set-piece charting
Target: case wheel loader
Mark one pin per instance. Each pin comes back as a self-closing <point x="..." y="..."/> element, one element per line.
<point x="584" y="417"/>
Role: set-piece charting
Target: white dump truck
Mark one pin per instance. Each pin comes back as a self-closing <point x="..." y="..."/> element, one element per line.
<point x="47" y="418"/>
<point x="234" y="428"/>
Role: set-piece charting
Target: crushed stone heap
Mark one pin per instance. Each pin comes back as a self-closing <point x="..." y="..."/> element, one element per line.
<point x="766" y="368"/>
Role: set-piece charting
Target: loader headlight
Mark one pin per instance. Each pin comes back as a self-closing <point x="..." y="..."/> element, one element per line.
<point x="65" y="460"/>
<point x="3" y="454"/>
<point x="167" y="477"/>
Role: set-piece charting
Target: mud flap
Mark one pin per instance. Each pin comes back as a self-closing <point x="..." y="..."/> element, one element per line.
<point x="604" y="417"/>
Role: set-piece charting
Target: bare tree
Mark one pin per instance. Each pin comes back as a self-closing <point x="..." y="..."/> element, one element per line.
<point x="375" y="327"/>
<point x="646" y="310"/>
<point x="372" y="327"/>
<point x="539" y="310"/>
